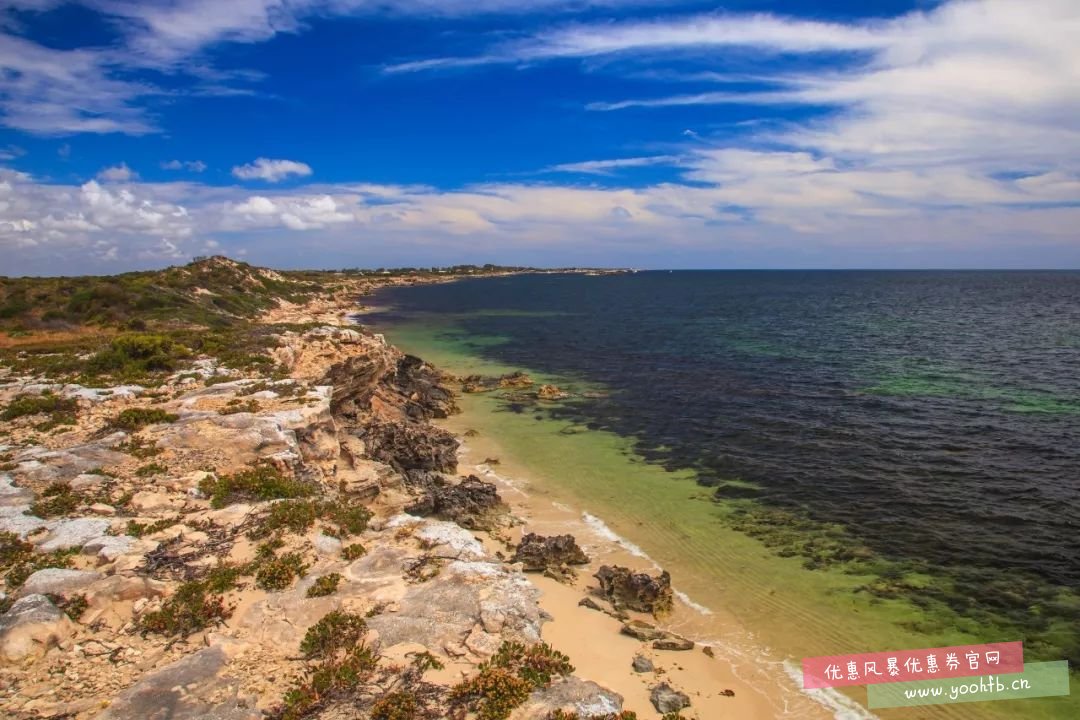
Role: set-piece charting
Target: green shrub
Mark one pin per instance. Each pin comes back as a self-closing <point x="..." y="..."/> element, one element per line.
<point x="139" y="447"/>
<point x="136" y="355"/>
<point x="508" y="678"/>
<point x="31" y="562"/>
<point x="138" y="529"/>
<point x="57" y="499"/>
<point x="151" y="470"/>
<point x="134" y="419"/>
<point x="278" y="573"/>
<point x="73" y="606"/>
<point x="260" y="482"/>
<point x="298" y="516"/>
<point x="336" y="631"/>
<point x="326" y="585"/>
<point x="193" y="607"/>
<point x="353" y="552"/>
<point x="395" y="706"/>
<point x="61" y="410"/>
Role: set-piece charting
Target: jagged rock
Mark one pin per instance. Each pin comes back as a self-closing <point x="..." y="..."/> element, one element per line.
<point x="191" y="688"/>
<point x="571" y="695"/>
<point x="642" y="664"/>
<point x="666" y="699"/>
<point x="515" y="380"/>
<point x="73" y="533"/>
<point x="58" y="581"/>
<point x="355" y="381"/>
<point x="422" y="385"/>
<point x="635" y="591"/>
<point x="31" y="627"/>
<point x="410" y="446"/>
<point x="477" y="384"/>
<point x="550" y="392"/>
<point x="642" y="631"/>
<point x="472" y="503"/>
<point x="590" y="603"/>
<point x="673" y="642"/>
<point x="537" y="553"/>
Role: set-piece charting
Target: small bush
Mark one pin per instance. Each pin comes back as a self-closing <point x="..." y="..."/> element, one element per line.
<point x="395" y="706"/>
<point x="260" y="482"/>
<point x="236" y="406"/>
<point x="136" y="355"/>
<point x="353" y="552"/>
<point x="326" y="585"/>
<point x="278" y="573"/>
<point x="134" y="419"/>
<point x="57" y="499"/>
<point x="193" y="607"/>
<point x="492" y="694"/>
<point x="138" y="529"/>
<point x="336" y="631"/>
<point x="139" y="447"/>
<point x="151" y="470"/>
<point x="298" y="516"/>
<point x="13" y="550"/>
<point x="26" y="562"/>
<point x="508" y="678"/>
<point x="73" y="606"/>
<point x="61" y="411"/>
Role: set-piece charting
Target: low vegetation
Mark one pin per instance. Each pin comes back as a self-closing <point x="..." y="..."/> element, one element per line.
<point x="324" y="586"/>
<point x="57" y="410"/>
<point x="135" y="419"/>
<point x="506" y="680"/>
<point x="259" y="482"/>
<point x="56" y="500"/>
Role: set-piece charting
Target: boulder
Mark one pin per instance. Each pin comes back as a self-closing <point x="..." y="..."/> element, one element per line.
<point x="666" y="699"/>
<point x="537" y="553"/>
<point x="635" y="591"/>
<point x="472" y="503"/>
<point x="642" y="664"/>
<point x="410" y="446"/>
<point x="515" y="380"/>
<point x="673" y="642"/>
<point x="642" y="631"/>
<point x="58" y="581"/>
<point x="74" y="533"/>
<point x="31" y="627"/>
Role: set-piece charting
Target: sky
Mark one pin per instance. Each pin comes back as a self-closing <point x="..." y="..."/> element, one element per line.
<point x="632" y="133"/>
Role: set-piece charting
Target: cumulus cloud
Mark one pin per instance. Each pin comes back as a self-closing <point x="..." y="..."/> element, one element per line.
<point x="197" y="166"/>
<point x="271" y="170"/>
<point x="117" y="173"/>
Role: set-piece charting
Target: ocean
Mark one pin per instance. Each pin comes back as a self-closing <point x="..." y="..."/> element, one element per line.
<point x="906" y="443"/>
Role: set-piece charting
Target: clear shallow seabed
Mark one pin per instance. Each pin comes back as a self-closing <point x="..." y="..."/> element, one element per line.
<point x="846" y="461"/>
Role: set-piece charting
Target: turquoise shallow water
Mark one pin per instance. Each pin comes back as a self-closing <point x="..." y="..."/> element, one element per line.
<point x="900" y="444"/>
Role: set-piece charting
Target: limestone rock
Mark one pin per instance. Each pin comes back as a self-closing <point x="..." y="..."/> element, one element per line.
<point x="635" y="591"/>
<point x="537" y="553"/>
<point x="471" y="503"/>
<point x="31" y="627"/>
<point x="11" y="495"/>
<point x="666" y="699"/>
<point x="58" y="581"/>
<point x="673" y="642"/>
<point x="410" y="446"/>
<point x="75" y="533"/>
<point x="326" y="545"/>
<point x="192" y="688"/>
<point x="642" y="664"/>
<point x="550" y="392"/>
<point x="642" y="631"/>
<point x="571" y="695"/>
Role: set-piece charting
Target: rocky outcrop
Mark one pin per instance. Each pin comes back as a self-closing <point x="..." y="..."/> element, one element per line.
<point x="550" y="392"/>
<point x="422" y="388"/>
<point x="31" y="627"/>
<point x="537" y="553"/>
<point x="660" y="639"/>
<point x="667" y="699"/>
<point x="624" y="588"/>
<point x="481" y="384"/>
<point x="471" y="503"/>
<point x="571" y="695"/>
<point x="410" y="446"/>
<point x="193" y="688"/>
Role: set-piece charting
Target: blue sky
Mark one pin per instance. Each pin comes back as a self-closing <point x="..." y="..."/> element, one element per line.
<point x="648" y="133"/>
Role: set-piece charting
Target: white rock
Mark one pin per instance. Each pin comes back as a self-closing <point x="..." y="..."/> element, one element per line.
<point x="73" y="533"/>
<point x="57" y="581"/>
<point x="31" y="627"/>
<point x="110" y="547"/>
<point x="326" y="545"/>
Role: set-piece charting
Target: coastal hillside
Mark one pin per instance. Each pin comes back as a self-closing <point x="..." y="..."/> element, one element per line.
<point x="221" y="498"/>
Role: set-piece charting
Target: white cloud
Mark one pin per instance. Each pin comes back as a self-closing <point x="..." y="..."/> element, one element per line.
<point x="271" y="170"/>
<point x="607" y="167"/>
<point x="190" y="165"/>
<point x="117" y="173"/>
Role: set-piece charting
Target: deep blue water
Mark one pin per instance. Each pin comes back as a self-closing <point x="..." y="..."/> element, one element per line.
<point x="935" y="415"/>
